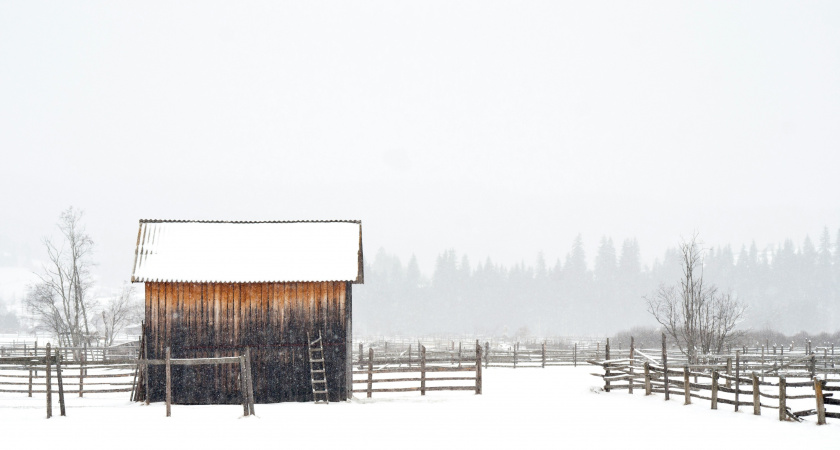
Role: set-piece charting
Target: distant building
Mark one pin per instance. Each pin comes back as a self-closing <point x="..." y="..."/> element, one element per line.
<point x="214" y="288"/>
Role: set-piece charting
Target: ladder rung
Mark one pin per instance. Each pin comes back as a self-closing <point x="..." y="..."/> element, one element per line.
<point x="318" y="370"/>
<point x="318" y="392"/>
<point x="316" y="360"/>
<point x="319" y="381"/>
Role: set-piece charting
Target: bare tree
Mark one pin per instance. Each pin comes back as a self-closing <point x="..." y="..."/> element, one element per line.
<point x="697" y="316"/>
<point x="59" y="302"/>
<point x="120" y="312"/>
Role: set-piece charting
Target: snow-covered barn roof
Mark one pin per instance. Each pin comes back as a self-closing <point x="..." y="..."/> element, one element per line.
<point x="248" y="252"/>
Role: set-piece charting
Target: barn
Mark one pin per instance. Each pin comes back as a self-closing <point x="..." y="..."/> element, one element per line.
<point x="215" y="288"/>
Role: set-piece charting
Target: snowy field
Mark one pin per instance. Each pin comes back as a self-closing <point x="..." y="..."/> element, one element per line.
<point x="556" y="407"/>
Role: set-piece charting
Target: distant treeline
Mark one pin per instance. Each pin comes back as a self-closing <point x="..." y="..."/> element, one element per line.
<point x="787" y="287"/>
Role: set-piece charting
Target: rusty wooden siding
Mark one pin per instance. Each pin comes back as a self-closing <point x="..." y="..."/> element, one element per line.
<point x="222" y="319"/>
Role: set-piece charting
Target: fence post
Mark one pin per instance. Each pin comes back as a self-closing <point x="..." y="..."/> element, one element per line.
<point x="168" y="384"/>
<point x="49" y="382"/>
<point x="728" y="371"/>
<point x="607" y="366"/>
<point x="686" y="387"/>
<point x="250" y="380"/>
<point x="543" y="355"/>
<point x="370" y="373"/>
<point x="632" y="364"/>
<point x="423" y="370"/>
<point x="737" y="378"/>
<point x="782" y="399"/>
<point x="647" y="378"/>
<point x="243" y="385"/>
<point x="756" y="395"/>
<point x="486" y="354"/>
<point x="30" y="380"/>
<point x="459" y="354"/>
<point x="409" y="355"/>
<point x="83" y="360"/>
<point x="477" y="367"/>
<point x="515" y="347"/>
<point x="665" y="368"/>
<point x="361" y="357"/>
<point x="715" y="388"/>
<point x="60" y="382"/>
<point x="574" y="355"/>
<point x="820" y="401"/>
<point x="813" y="365"/>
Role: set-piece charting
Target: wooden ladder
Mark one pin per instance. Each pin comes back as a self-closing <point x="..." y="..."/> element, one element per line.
<point x="318" y="369"/>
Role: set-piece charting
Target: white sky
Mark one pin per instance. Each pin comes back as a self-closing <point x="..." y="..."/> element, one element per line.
<point x="497" y="128"/>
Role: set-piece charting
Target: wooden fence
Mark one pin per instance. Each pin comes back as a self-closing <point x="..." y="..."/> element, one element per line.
<point x="31" y="363"/>
<point x="424" y="366"/>
<point x="749" y="382"/>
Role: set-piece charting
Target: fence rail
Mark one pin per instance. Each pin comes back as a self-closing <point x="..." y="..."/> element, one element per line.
<point x="750" y="382"/>
<point x="423" y="367"/>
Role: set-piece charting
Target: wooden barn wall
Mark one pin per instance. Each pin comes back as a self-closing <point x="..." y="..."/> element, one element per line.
<point x="222" y="319"/>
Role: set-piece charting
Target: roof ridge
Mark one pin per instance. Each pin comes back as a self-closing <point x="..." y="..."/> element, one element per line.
<point x="248" y="221"/>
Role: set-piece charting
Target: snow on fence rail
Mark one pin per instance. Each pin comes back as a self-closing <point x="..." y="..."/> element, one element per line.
<point x="423" y="366"/>
<point x="761" y="382"/>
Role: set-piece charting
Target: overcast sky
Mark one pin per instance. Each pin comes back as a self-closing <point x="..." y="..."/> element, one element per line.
<point x="497" y="128"/>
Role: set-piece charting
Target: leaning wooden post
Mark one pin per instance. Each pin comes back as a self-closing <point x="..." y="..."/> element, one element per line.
<point x="647" y="378"/>
<point x="756" y="395"/>
<point x="370" y="373"/>
<point x="686" y="386"/>
<point x="607" y="366"/>
<point x="818" y="392"/>
<point x="782" y="399"/>
<point x="715" y="386"/>
<point x="168" y="384"/>
<point x="665" y="368"/>
<point x="60" y="383"/>
<point x="49" y="382"/>
<point x="423" y="370"/>
<point x="477" y="367"/>
<point x="243" y="385"/>
<point x="737" y="377"/>
<point x="632" y="365"/>
<point x="250" y="380"/>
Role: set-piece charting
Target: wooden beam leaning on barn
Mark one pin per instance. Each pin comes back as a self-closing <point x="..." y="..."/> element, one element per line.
<point x="246" y="384"/>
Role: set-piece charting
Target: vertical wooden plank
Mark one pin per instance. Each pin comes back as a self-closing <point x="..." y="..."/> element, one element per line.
<point x="61" y="408"/>
<point x="632" y="364"/>
<point x="665" y="368"/>
<point x="756" y="395"/>
<point x="737" y="378"/>
<point x="647" y="378"/>
<point x="686" y="387"/>
<point x="49" y="382"/>
<point x="168" y="384"/>
<point x="250" y="381"/>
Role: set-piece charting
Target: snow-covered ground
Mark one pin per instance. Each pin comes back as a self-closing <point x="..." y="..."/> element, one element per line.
<point x="557" y="407"/>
